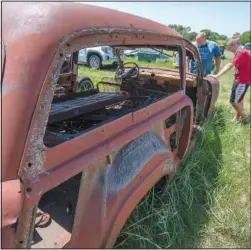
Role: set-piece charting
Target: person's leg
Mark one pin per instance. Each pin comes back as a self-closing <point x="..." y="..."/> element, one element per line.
<point x="237" y="116"/>
<point x="232" y="101"/>
<point x="238" y="93"/>
<point x="240" y="112"/>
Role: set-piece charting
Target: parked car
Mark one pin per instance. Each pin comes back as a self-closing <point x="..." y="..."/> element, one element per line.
<point x="176" y="63"/>
<point x="131" y="52"/>
<point x="96" y="57"/>
<point x="147" y="54"/>
<point x="75" y="164"/>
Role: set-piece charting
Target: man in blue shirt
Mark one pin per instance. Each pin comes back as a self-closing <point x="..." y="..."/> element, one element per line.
<point x="207" y="50"/>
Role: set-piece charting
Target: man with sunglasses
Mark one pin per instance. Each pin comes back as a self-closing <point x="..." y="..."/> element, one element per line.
<point x="242" y="77"/>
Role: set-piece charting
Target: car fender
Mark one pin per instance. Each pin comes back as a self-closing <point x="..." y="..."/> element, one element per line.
<point x="141" y="163"/>
<point x="154" y="167"/>
<point x="215" y="87"/>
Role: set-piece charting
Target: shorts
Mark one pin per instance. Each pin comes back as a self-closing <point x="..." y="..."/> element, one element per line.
<point x="238" y="92"/>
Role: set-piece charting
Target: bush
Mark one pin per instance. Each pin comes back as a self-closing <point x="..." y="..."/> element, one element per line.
<point x="245" y="37"/>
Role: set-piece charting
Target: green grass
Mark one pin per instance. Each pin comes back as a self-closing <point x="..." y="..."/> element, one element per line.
<point x="207" y="204"/>
<point x="95" y="74"/>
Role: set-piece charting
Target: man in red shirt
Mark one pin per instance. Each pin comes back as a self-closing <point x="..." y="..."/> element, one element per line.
<point x="242" y="77"/>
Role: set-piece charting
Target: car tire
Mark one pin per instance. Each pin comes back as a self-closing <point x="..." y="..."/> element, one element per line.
<point x="94" y="61"/>
<point x="85" y="84"/>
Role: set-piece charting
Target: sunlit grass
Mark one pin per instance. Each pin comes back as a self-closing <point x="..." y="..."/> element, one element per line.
<point x="96" y="74"/>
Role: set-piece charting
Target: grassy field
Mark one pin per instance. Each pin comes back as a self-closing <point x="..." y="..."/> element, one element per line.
<point x="95" y="75"/>
<point x="207" y="204"/>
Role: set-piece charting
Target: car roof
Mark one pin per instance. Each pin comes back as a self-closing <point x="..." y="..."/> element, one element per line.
<point x="61" y="19"/>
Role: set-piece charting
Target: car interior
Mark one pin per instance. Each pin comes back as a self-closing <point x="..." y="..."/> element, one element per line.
<point x="134" y="86"/>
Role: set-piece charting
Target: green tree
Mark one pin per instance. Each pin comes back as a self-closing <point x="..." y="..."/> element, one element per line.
<point x="191" y="36"/>
<point x="181" y="29"/>
<point x="223" y="37"/>
<point x="245" y="37"/>
<point x="213" y="36"/>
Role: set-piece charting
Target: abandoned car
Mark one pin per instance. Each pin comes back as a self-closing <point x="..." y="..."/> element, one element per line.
<point x="77" y="160"/>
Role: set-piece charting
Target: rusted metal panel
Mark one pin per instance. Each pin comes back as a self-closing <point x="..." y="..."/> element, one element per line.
<point x="40" y="46"/>
<point x="118" y="207"/>
<point x="101" y="142"/>
<point x="12" y="201"/>
<point x="42" y="18"/>
<point x="52" y="178"/>
<point x="215" y="87"/>
<point x="82" y="105"/>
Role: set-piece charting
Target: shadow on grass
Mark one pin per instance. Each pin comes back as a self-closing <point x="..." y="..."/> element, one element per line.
<point x="174" y="215"/>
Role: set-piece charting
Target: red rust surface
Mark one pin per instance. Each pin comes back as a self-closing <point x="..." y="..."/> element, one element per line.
<point x="67" y="159"/>
<point x="215" y="93"/>
<point x="104" y="230"/>
<point x="12" y="199"/>
<point x="36" y="41"/>
<point x="82" y="105"/>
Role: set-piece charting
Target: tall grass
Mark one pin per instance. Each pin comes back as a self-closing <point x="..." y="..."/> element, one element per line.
<point x="207" y="204"/>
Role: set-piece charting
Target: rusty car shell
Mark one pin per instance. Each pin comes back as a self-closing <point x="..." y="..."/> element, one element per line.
<point x="36" y="36"/>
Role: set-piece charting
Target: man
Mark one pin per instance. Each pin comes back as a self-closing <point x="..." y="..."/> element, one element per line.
<point x="242" y="77"/>
<point x="207" y="50"/>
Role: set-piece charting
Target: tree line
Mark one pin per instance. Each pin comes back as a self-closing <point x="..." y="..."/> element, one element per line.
<point x="190" y="35"/>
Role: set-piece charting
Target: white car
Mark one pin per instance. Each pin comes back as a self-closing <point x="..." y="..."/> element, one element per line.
<point x="96" y="57"/>
<point x="176" y="59"/>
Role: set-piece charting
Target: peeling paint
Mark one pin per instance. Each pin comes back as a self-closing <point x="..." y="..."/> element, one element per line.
<point x="28" y="229"/>
<point x="35" y="155"/>
<point x="127" y="163"/>
<point x="131" y="159"/>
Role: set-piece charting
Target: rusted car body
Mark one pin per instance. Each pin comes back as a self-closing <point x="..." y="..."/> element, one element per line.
<point x="96" y="177"/>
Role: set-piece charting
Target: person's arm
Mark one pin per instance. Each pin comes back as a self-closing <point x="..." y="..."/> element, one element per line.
<point x="225" y="69"/>
<point x="217" y="56"/>
<point x="236" y="61"/>
<point x="217" y="64"/>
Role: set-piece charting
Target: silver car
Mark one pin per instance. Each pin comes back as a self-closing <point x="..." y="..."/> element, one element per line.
<point x="96" y="57"/>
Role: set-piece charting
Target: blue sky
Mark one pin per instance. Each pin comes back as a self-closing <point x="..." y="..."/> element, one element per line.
<point x="222" y="17"/>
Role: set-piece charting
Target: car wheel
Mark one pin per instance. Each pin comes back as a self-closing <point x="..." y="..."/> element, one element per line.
<point x="94" y="62"/>
<point x="85" y="84"/>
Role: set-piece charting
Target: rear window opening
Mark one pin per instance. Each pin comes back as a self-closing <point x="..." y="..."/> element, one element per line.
<point x="87" y="98"/>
